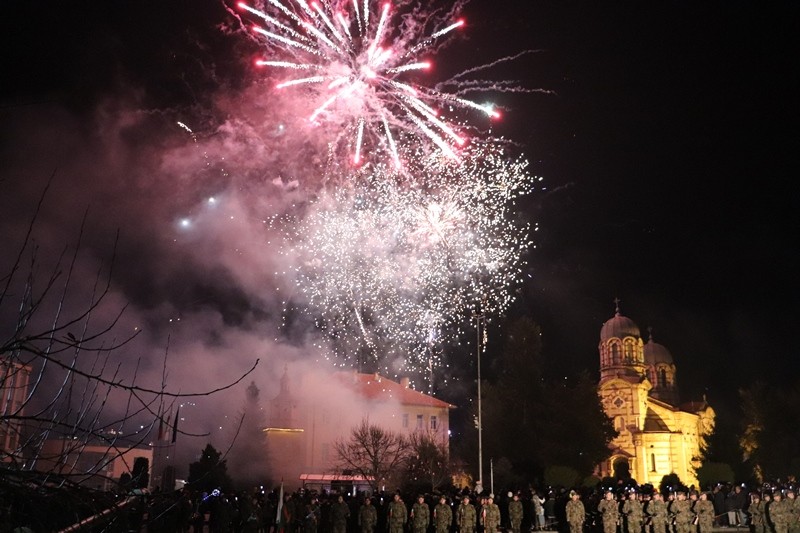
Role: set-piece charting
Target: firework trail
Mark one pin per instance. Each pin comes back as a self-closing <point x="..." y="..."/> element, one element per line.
<point x="390" y="266"/>
<point x="356" y="59"/>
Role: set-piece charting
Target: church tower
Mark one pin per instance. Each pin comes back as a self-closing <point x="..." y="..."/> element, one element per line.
<point x="655" y="435"/>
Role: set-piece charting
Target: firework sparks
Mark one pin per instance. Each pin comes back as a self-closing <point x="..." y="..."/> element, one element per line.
<point x="350" y="59"/>
<point x="390" y="266"/>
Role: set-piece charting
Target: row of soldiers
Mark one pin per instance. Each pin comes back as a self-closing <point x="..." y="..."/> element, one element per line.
<point x="399" y="519"/>
<point x="681" y="513"/>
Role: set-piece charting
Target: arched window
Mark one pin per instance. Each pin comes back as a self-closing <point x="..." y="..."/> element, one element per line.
<point x="615" y="354"/>
<point x="653" y="462"/>
<point x="619" y="423"/>
<point x="662" y="377"/>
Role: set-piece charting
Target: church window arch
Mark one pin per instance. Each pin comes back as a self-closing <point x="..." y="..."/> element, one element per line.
<point x="615" y="360"/>
<point x="653" y="462"/>
<point x="662" y="377"/>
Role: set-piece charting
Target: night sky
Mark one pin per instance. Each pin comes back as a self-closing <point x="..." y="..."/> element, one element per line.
<point x="666" y="133"/>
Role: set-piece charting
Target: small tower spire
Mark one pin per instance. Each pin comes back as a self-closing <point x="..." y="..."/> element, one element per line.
<point x="616" y="306"/>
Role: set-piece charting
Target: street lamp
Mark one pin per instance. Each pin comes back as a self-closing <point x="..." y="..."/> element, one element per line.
<point x="479" y="317"/>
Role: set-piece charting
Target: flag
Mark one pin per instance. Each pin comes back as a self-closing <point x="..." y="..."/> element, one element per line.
<point x="279" y="515"/>
<point x="175" y="425"/>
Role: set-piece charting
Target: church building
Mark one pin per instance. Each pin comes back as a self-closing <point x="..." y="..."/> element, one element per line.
<point x="657" y="434"/>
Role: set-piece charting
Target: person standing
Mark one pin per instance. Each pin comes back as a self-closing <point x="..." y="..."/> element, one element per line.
<point x="340" y="512"/>
<point x="758" y="514"/>
<point x="656" y="511"/>
<point x="538" y="510"/>
<point x="682" y="510"/>
<point x="420" y="515"/>
<point x="609" y="511"/>
<point x="778" y="513"/>
<point x="632" y="509"/>
<point x="367" y="516"/>
<point x="442" y="516"/>
<point x="515" y="513"/>
<point x="465" y="515"/>
<point x="576" y="514"/>
<point x="490" y="516"/>
<point x="398" y="514"/>
<point x="794" y="511"/>
<point x="704" y="510"/>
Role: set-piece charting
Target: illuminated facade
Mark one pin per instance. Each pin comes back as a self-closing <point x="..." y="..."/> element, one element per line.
<point x="638" y="389"/>
<point x="305" y="420"/>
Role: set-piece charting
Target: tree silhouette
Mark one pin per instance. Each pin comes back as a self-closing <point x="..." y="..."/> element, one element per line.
<point x="210" y="472"/>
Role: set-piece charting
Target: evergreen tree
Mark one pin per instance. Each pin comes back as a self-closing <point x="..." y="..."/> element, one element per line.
<point x="210" y="472"/>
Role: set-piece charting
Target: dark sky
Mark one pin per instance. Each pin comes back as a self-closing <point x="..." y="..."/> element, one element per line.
<point x="667" y="139"/>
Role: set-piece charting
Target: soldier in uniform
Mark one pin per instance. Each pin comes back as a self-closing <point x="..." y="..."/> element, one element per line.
<point x="367" y="516"/>
<point x="704" y="510"/>
<point x="398" y="514"/>
<point x="758" y="515"/>
<point x="311" y="517"/>
<point x="576" y="514"/>
<point x="656" y="511"/>
<point x="340" y="512"/>
<point x="465" y="515"/>
<point x="420" y="515"/>
<point x="515" y="514"/>
<point x="609" y="511"/>
<point x="632" y="509"/>
<point x="682" y="511"/>
<point x="794" y="507"/>
<point x="490" y="516"/>
<point x="442" y="516"/>
<point x="779" y="513"/>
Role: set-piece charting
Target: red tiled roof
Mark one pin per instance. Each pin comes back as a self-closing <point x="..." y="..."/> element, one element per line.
<point x="380" y="388"/>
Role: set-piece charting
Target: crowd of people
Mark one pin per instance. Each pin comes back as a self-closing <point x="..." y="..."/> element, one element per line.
<point x="623" y="510"/>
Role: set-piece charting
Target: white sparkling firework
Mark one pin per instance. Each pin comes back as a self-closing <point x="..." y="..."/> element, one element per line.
<point x="351" y="58"/>
<point x="391" y="266"/>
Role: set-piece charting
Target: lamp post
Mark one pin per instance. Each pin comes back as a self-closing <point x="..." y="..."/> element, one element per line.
<point x="478" y="318"/>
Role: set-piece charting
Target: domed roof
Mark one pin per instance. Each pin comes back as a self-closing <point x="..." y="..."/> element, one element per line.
<point x="655" y="353"/>
<point x="620" y="327"/>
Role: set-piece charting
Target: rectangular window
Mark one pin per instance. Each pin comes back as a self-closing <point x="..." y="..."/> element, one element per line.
<point x="405" y="420"/>
<point x="420" y="422"/>
<point x="434" y="423"/>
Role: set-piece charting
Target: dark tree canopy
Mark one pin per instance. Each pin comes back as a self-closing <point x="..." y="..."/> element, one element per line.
<point x="210" y="472"/>
<point x="536" y="421"/>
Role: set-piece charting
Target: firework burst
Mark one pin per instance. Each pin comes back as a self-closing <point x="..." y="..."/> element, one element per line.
<point x="352" y="58"/>
<point x="390" y="265"/>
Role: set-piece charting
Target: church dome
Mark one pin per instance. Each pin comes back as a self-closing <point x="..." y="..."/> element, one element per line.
<point x="655" y="353"/>
<point x="620" y="327"/>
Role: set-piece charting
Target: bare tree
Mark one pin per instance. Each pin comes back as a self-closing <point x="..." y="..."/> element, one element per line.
<point x="59" y="377"/>
<point x="376" y="454"/>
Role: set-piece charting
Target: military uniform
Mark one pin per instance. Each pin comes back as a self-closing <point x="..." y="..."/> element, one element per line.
<point x="515" y="514"/>
<point x="656" y="511"/>
<point x="490" y="517"/>
<point x="779" y="514"/>
<point x="632" y="509"/>
<point x="758" y="515"/>
<point x="681" y="509"/>
<point x="466" y="517"/>
<point x="704" y="510"/>
<point x="442" y="517"/>
<point x="398" y="514"/>
<point x="367" y="517"/>
<point x="576" y="515"/>
<point x="311" y="518"/>
<point x="794" y="515"/>
<point x="420" y="517"/>
<point x="609" y="511"/>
